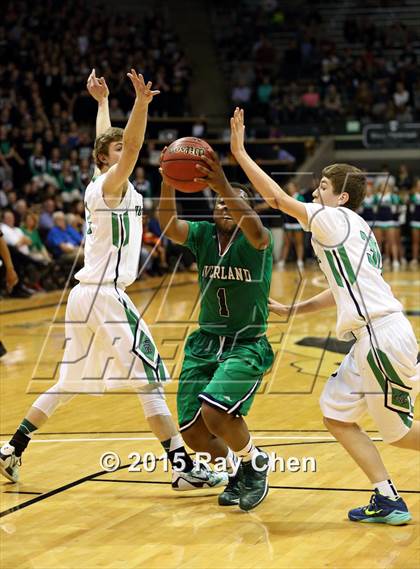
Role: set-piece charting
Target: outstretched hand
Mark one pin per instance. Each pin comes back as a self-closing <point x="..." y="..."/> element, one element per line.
<point x="212" y="173"/>
<point x="97" y="87"/>
<point x="277" y="308"/>
<point x="237" y="131"/>
<point x="144" y="91"/>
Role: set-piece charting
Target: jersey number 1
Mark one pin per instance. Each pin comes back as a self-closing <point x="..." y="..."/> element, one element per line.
<point x="223" y="308"/>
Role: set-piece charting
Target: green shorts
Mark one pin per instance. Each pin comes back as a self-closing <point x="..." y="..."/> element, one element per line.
<point x="221" y="373"/>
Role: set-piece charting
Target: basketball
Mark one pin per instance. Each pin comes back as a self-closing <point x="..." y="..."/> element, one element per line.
<point x="180" y="160"/>
<point x="163" y="215"/>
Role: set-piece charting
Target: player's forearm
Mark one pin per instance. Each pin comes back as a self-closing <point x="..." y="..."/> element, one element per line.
<point x="103" y="121"/>
<point x="264" y="185"/>
<point x="321" y="301"/>
<point x="5" y="255"/>
<point x="245" y="217"/>
<point x="135" y="129"/>
<point x="270" y="190"/>
<point x="167" y="214"/>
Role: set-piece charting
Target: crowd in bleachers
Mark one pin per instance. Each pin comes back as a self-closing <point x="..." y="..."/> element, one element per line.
<point x="310" y="79"/>
<point x="47" y="118"/>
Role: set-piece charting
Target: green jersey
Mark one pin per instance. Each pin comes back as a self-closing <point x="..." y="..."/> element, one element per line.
<point x="234" y="285"/>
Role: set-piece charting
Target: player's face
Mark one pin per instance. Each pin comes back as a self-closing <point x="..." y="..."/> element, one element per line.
<point x="324" y="194"/>
<point x="222" y="218"/>
<point x="114" y="152"/>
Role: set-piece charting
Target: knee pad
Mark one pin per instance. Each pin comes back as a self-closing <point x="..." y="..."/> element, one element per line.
<point x="153" y="401"/>
<point x="51" y="399"/>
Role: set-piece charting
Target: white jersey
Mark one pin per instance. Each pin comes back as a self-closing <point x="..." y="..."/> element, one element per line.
<point x="350" y="258"/>
<point x="113" y="237"/>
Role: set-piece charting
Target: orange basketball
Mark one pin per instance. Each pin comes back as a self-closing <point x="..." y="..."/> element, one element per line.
<point x="179" y="163"/>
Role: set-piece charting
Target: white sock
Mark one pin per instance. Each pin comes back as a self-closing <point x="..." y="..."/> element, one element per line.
<point x="176" y="442"/>
<point x="387" y="488"/>
<point x="231" y="462"/>
<point x="248" y="452"/>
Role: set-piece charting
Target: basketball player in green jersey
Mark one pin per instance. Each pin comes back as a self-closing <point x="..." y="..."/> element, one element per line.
<point x="226" y="358"/>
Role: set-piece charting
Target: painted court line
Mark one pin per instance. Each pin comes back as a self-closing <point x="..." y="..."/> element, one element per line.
<point x="112" y="439"/>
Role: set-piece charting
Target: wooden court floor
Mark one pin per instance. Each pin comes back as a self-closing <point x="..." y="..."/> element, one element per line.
<point x="67" y="512"/>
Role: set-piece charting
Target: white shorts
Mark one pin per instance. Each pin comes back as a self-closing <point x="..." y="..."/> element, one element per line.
<point x="108" y="345"/>
<point x="380" y="374"/>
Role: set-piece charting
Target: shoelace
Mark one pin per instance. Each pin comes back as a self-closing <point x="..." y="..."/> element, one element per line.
<point x="372" y="502"/>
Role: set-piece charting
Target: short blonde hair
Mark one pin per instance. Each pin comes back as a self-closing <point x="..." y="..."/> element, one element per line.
<point x="112" y="134"/>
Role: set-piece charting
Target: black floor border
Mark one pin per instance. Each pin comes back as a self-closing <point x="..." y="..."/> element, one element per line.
<point x="58" y="490"/>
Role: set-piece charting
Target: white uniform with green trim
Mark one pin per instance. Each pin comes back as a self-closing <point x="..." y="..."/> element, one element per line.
<point x="113" y="237"/>
<point x="380" y="373"/>
<point x="108" y="345"/>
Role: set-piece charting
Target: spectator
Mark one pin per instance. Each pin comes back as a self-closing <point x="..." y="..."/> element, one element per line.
<point x="61" y="242"/>
<point x="285" y="157"/>
<point x="55" y="164"/>
<point x="13" y="235"/>
<point x="85" y="174"/>
<point x="46" y="221"/>
<point x="401" y="96"/>
<point x="310" y="102"/>
<point x="38" y="162"/>
<point x="20" y="209"/>
<point x="153" y="245"/>
<point x="28" y="266"/>
<point x="68" y="184"/>
<point x="241" y="94"/>
<point x="115" y="112"/>
<point x="75" y="226"/>
<point x="403" y="179"/>
<point x="37" y="249"/>
<point x="143" y="187"/>
<point x="332" y="103"/>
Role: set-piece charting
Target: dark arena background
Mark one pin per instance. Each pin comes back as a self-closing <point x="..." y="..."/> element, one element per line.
<point x="320" y="83"/>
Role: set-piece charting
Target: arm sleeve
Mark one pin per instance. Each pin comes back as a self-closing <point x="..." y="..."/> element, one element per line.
<point x="329" y="225"/>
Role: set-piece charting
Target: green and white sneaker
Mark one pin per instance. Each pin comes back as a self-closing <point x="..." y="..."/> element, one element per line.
<point x="253" y="482"/>
<point x="9" y="463"/>
<point x="197" y="478"/>
<point x="230" y="495"/>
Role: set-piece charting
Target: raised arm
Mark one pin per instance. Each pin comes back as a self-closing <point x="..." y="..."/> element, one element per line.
<point x="98" y="89"/>
<point x="246" y="218"/>
<point x="321" y="301"/>
<point x="174" y="228"/>
<point x="264" y="185"/>
<point x="133" y="138"/>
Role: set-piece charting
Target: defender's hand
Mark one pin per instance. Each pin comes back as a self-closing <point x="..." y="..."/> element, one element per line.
<point x="144" y="92"/>
<point x="165" y="182"/>
<point x="277" y="308"/>
<point x="212" y="173"/>
<point x="97" y="87"/>
<point x="237" y="131"/>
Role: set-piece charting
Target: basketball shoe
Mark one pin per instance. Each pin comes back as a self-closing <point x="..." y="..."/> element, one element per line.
<point x="9" y="462"/>
<point x="199" y="477"/>
<point x="382" y="510"/>
<point x="230" y="495"/>
<point x="253" y="482"/>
